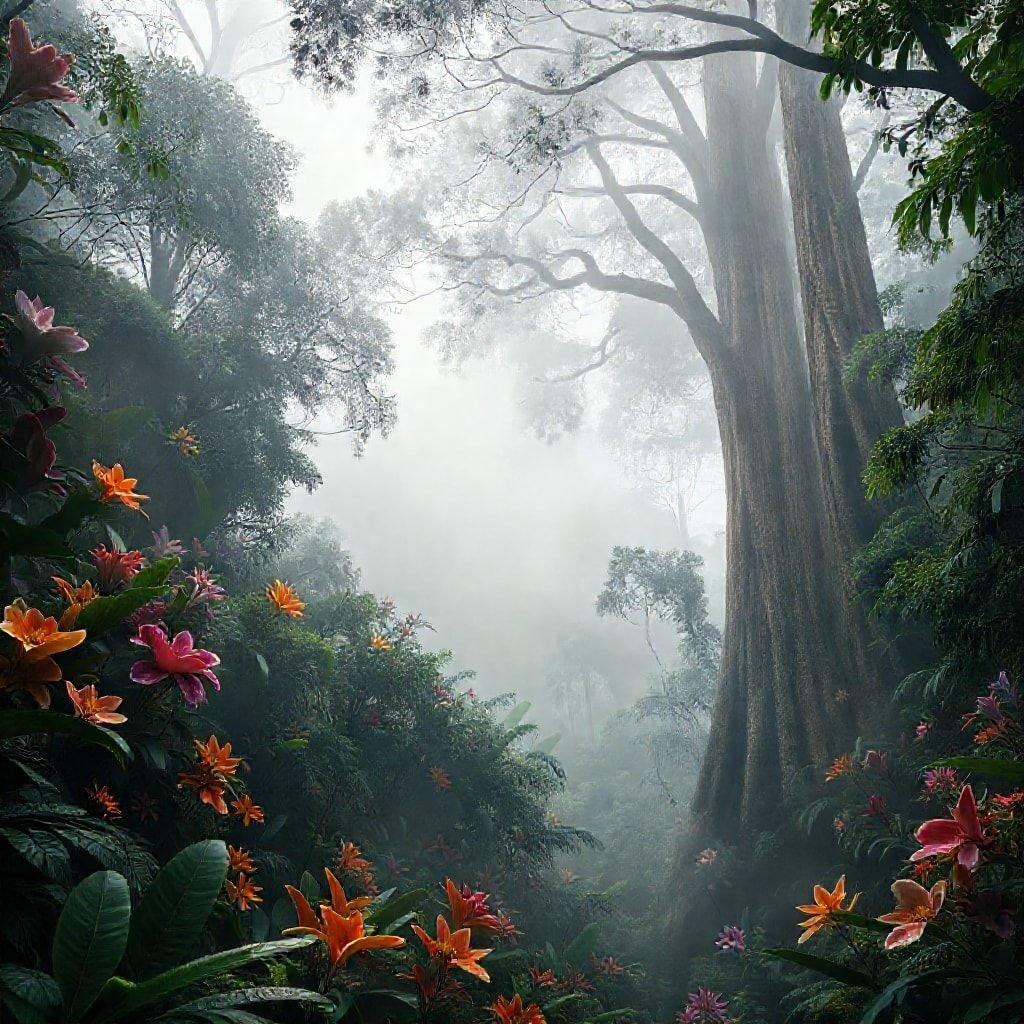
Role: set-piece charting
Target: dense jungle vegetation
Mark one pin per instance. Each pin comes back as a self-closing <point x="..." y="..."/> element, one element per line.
<point x="778" y="247"/>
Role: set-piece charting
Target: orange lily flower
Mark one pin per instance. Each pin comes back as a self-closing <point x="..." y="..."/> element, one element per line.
<point x="217" y="758"/>
<point x="440" y="778"/>
<point x="915" y="907"/>
<point x="340" y="903"/>
<point x="186" y="442"/>
<point x="378" y="642"/>
<point x="38" y="634"/>
<point x="350" y="859"/>
<point x="344" y="935"/>
<point x="512" y="1011"/>
<point x="245" y="809"/>
<point x="91" y="707"/>
<point x="209" y="788"/>
<point x="453" y="948"/>
<point x="240" y="860"/>
<point x="76" y="598"/>
<point x="115" y="486"/>
<point x="824" y="906"/>
<point x="243" y="893"/>
<point x="285" y="599"/>
<point x="22" y="673"/>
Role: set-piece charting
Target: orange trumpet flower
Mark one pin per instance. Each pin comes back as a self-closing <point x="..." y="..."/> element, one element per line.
<point x="824" y="906"/>
<point x="115" y="486"/>
<point x="454" y="948"/>
<point x="243" y="893"/>
<point x="91" y="707"/>
<point x="512" y="1011"/>
<point x="284" y="598"/>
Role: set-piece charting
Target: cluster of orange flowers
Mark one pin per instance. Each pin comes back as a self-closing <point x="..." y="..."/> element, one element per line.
<point x="242" y="892"/>
<point x="351" y="861"/>
<point x="211" y="777"/>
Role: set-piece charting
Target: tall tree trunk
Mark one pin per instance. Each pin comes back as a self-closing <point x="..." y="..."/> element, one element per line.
<point x="837" y="287"/>
<point x="790" y="641"/>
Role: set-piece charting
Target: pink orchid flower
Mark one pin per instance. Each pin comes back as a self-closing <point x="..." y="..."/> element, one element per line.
<point x="177" y="659"/>
<point x="915" y="907"/>
<point x="962" y="833"/>
<point x="36" y="71"/>
<point x="45" y="341"/>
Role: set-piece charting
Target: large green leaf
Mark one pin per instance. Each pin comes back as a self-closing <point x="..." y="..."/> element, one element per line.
<point x="896" y="993"/>
<point x="31" y="996"/>
<point x="123" y="1000"/>
<point x="42" y="850"/>
<point x="248" y="996"/>
<point x="1012" y="771"/>
<point x="32" y="541"/>
<point x="167" y="924"/>
<point x="104" y="613"/>
<point x="386" y="914"/>
<point x="838" y="972"/>
<point x="583" y="945"/>
<point x="90" y="939"/>
<point x="34" y="722"/>
<point x="80" y="506"/>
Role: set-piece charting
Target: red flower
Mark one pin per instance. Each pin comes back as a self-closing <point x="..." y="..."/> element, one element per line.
<point x="36" y="71"/>
<point x="115" y="567"/>
<point x="962" y="834"/>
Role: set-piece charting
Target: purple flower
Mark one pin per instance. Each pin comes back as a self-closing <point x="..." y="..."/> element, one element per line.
<point x="205" y="587"/>
<point x="989" y="911"/>
<point x="940" y="780"/>
<point x="988" y="707"/>
<point x="703" y="1007"/>
<point x="177" y="659"/>
<point x="1002" y="687"/>
<point x="732" y="939"/>
<point x="38" y="453"/>
<point x="163" y="545"/>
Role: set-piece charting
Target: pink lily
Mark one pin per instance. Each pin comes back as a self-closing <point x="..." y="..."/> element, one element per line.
<point x="915" y="907"/>
<point x="36" y="71"/>
<point x="962" y="833"/>
<point x="44" y="339"/>
<point x="177" y="659"/>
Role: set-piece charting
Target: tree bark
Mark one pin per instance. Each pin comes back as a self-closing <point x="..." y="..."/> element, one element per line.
<point x="838" y="291"/>
<point x="790" y="641"/>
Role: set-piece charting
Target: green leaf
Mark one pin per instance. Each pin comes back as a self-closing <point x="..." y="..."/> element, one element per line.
<point x="516" y="715"/>
<point x="610" y="1015"/>
<point x="42" y="850"/>
<point x="126" y="999"/>
<point x="583" y="945"/>
<point x="981" y="1008"/>
<point x="248" y="996"/>
<point x="169" y="921"/>
<point x="383" y="915"/>
<point x="51" y="723"/>
<point x="103" y="613"/>
<point x="1010" y="770"/>
<point x="310" y="888"/>
<point x="91" y="934"/>
<point x="32" y="541"/>
<point x="896" y="993"/>
<point x="80" y="506"/>
<point x="838" y="972"/>
<point x="32" y="996"/>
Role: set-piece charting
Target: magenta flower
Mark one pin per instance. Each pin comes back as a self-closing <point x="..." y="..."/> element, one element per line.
<point x="176" y="659"/>
<point x="45" y="341"/>
<point x="205" y="588"/>
<point x="921" y="730"/>
<point x="875" y="807"/>
<point x="940" y="780"/>
<point x="962" y="834"/>
<point x="732" y="939"/>
<point x="27" y="437"/>
<point x="703" y="1007"/>
<point x="36" y="71"/>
